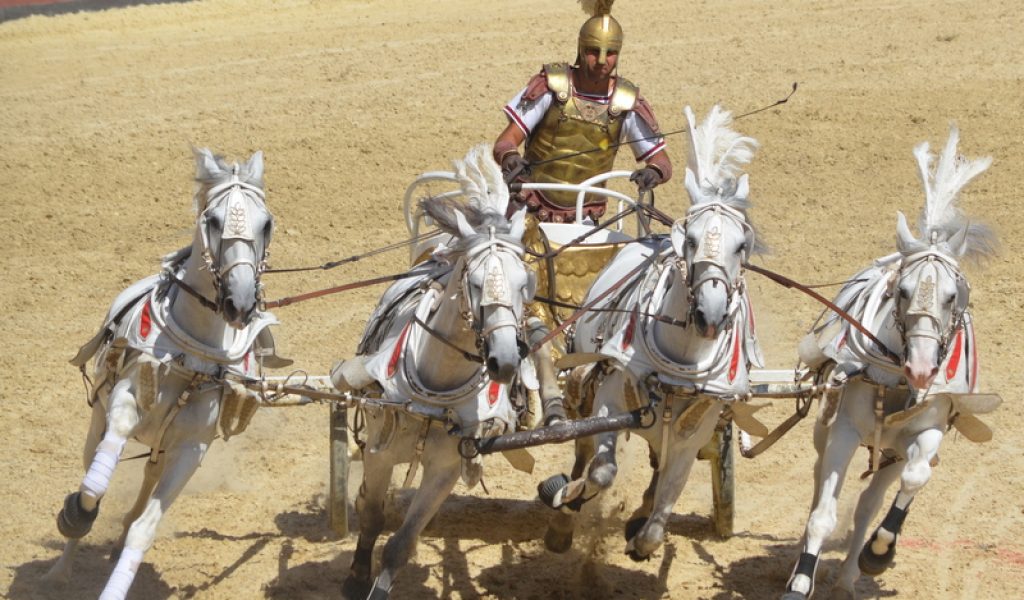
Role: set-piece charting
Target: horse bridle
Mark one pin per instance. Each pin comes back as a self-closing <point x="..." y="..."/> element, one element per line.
<point x="710" y="252"/>
<point x="923" y="301"/>
<point x="235" y="227"/>
<point x="495" y="292"/>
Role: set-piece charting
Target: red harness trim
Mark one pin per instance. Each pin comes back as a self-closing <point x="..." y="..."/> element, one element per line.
<point x="145" y="322"/>
<point x="397" y="352"/>
<point x="974" y="359"/>
<point x="954" y="360"/>
<point x="627" y="336"/>
<point x="734" y="364"/>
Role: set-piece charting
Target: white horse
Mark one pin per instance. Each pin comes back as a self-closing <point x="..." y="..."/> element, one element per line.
<point x="162" y="356"/>
<point x="915" y="302"/>
<point x="676" y="335"/>
<point x="439" y="352"/>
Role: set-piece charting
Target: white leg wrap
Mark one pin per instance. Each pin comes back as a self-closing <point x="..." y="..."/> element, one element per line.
<point x="97" y="480"/>
<point x="121" y="579"/>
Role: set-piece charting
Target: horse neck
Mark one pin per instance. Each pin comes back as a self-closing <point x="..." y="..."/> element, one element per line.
<point x="682" y="344"/>
<point x="442" y="367"/>
<point x="195" y="319"/>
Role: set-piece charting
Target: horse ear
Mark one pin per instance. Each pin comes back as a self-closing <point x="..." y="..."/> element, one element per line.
<point x="255" y="166"/>
<point x="691" y="186"/>
<point x="679" y="236"/>
<point x="743" y="187"/>
<point x="465" y="230"/>
<point x="518" y="224"/>
<point x="206" y="163"/>
<point x="904" y="239"/>
<point x="958" y="242"/>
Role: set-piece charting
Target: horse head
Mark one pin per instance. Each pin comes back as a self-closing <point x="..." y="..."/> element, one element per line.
<point x="233" y="231"/>
<point x="491" y="279"/>
<point x="715" y="238"/>
<point x="930" y="292"/>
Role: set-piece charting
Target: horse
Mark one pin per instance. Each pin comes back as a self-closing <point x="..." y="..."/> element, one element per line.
<point x="900" y="389"/>
<point x="164" y="356"/>
<point x="436" y="362"/>
<point x="672" y="326"/>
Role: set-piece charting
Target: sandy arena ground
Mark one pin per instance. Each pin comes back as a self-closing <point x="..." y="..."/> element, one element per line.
<point x="350" y="100"/>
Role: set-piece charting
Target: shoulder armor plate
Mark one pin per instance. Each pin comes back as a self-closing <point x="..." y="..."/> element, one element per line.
<point x="624" y="97"/>
<point x="558" y="80"/>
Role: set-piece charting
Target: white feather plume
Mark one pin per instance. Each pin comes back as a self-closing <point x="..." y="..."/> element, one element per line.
<point x="595" y="8"/>
<point x="481" y="181"/>
<point x="942" y="185"/>
<point x="717" y="153"/>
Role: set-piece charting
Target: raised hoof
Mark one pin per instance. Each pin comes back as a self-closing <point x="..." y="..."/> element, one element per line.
<point x="73" y="521"/>
<point x="875" y="564"/>
<point x="549" y="488"/>
<point x="794" y="596"/>
<point x="633" y="527"/>
<point x="355" y="589"/>
<point x="557" y="541"/>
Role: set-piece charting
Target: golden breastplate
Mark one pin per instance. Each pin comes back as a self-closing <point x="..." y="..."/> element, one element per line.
<point x="572" y="125"/>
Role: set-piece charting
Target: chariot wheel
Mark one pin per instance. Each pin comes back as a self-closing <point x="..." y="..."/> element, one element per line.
<point x="721" y="454"/>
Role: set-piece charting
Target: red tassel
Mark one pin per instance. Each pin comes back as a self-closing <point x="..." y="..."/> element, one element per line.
<point x="492" y="393"/>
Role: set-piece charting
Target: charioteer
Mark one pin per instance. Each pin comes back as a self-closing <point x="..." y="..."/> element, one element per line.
<point x="572" y="119"/>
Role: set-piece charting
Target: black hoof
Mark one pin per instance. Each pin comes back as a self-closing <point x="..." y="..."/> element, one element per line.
<point x="636" y="557"/>
<point x="875" y="564"/>
<point x="633" y="527"/>
<point x="355" y="589"/>
<point x="557" y="541"/>
<point x="73" y="521"/>
<point x="550" y="487"/>
<point x="794" y="596"/>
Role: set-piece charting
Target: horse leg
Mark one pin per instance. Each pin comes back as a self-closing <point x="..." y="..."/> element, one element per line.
<point x="377" y="470"/>
<point x="558" y="536"/>
<point x="675" y="470"/>
<point x="440" y="473"/>
<point x="151" y="474"/>
<point x="101" y="456"/>
<point x="868" y="504"/>
<point x="878" y="553"/>
<point x="643" y="512"/>
<point x="843" y="441"/>
<point x="182" y="462"/>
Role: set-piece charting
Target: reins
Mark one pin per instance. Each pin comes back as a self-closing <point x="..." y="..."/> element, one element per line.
<point x="789" y="283"/>
<point x="357" y="257"/>
<point x="334" y="290"/>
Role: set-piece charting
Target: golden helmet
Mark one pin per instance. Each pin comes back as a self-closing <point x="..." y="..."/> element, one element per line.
<point x="600" y="31"/>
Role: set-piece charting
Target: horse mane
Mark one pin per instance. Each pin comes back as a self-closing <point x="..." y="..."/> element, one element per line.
<point x="172" y="260"/>
<point x="942" y="185"/>
<point x="483" y="189"/>
<point x="718" y="155"/>
<point x="716" y="160"/>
